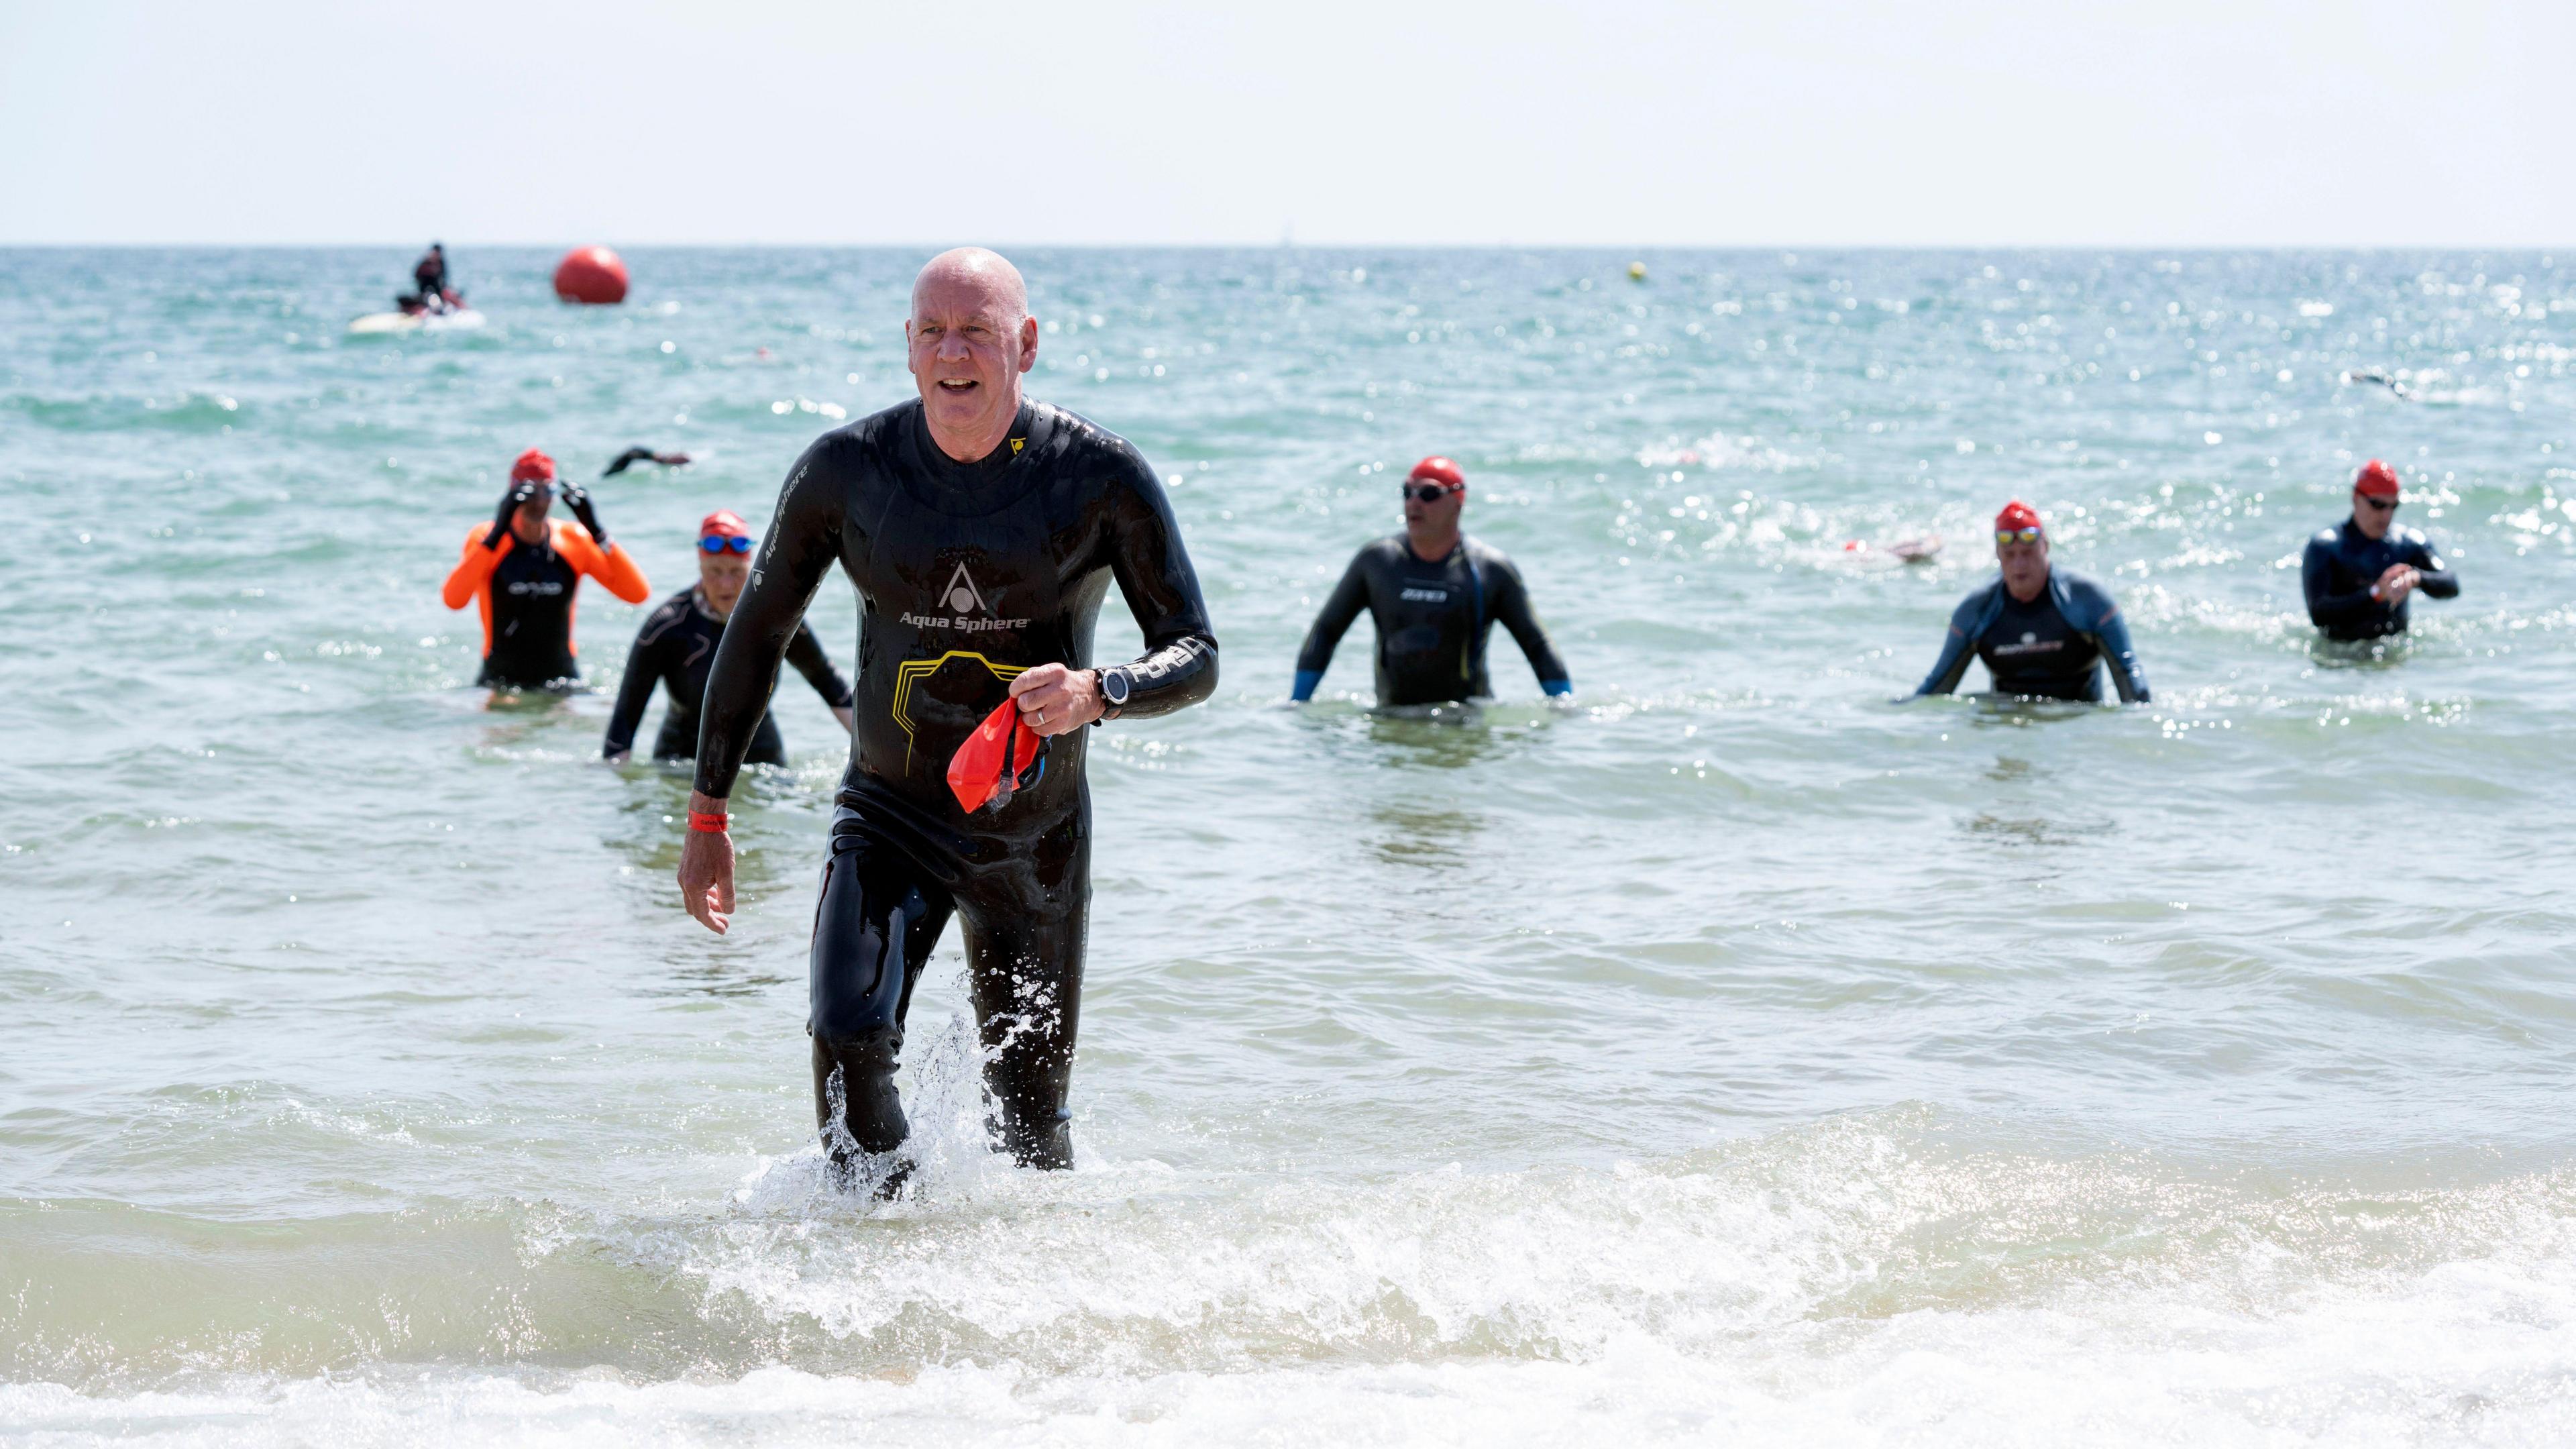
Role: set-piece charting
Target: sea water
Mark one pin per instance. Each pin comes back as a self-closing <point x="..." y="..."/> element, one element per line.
<point x="1735" y="1053"/>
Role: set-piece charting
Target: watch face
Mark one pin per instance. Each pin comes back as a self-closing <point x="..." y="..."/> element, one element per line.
<point x="1113" y="685"/>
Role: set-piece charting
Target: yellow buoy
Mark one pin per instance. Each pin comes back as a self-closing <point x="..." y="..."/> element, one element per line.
<point x="1636" y="271"/>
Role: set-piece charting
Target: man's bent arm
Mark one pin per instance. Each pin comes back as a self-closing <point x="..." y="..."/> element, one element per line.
<point x="806" y="653"/>
<point x="1162" y="590"/>
<point x="1952" y="666"/>
<point x="804" y="539"/>
<point x="2431" y="575"/>
<point x="634" y="691"/>
<point x="1348" y="598"/>
<point x="2111" y="636"/>
<point x="1512" y="611"/>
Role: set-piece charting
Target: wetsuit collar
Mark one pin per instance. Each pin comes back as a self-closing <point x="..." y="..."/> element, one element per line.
<point x="1012" y="445"/>
<point x="970" y="489"/>
<point x="1444" y="558"/>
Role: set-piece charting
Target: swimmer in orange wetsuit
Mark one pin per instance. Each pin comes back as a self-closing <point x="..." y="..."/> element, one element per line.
<point x="523" y="570"/>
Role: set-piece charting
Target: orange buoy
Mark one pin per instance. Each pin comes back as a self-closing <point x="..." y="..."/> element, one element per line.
<point x="591" y="274"/>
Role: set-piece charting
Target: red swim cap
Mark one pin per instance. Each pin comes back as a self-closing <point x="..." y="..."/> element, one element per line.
<point x="2376" y="480"/>
<point x="1438" y="470"/>
<point x="2016" y="516"/>
<point x="533" y="467"/>
<point x="723" y="523"/>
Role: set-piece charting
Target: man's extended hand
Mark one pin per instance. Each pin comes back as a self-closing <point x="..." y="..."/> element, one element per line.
<point x="1055" y="700"/>
<point x="706" y="868"/>
<point x="2399" y="581"/>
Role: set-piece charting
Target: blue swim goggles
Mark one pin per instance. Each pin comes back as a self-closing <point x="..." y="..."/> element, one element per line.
<point x="724" y="543"/>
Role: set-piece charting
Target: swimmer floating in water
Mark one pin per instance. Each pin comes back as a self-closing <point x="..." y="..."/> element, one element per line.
<point x="2372" y="374"/>
<point x="633" y="456"/>
<point x="1434" y="595"/>
<point x="676" y="648"/>
<point x="2041" y="630"/>
<point x="524" y="571"/>
<point x="2358" y="574"/>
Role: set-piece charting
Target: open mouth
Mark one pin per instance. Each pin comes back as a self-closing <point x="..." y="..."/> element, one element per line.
<point x="957" y="384"/>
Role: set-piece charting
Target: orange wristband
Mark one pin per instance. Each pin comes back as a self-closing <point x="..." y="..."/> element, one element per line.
<point x="710" y="824"/>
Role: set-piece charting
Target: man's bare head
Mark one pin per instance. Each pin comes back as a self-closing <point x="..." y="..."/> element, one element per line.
<point x="971" y="337"/>
<point x="972" y="275"/>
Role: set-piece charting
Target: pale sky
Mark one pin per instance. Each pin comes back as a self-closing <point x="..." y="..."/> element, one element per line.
<point x="1908" y="122"/>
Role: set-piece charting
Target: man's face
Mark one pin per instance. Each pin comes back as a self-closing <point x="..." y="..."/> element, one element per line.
<point x="722" y="575"/>
<point x="2372" y="515"/>
<point x="529" y="523"/>
<point x="2025" y="563"/>
<point x="1441" y="513"/>
<point x="969" y="345"/>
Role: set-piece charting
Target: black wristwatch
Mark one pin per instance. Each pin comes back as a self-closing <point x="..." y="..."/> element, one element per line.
<point x="1115" y="686"/>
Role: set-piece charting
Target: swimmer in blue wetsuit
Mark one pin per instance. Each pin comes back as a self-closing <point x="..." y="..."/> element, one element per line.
<point x="1435" y="596"/>
<point x="2042" y="631"/>
<point x="2357" y="574"/>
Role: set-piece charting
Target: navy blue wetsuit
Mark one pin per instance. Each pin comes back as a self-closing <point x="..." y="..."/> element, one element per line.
<point x="2343" y="563"/>
<point x="969" y="574"/>
<point x="1433" y="617"/>
<point x="676" y="648"/>
<point x="2048" y="648"/>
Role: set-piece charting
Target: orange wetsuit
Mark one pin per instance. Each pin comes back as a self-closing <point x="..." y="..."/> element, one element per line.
<point x="526" y="595"/>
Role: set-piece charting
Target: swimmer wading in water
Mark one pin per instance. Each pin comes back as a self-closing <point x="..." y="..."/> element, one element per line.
<point x="2042" y="631"/>
<point x="2357" y="575"/>
<point x="676" y="648"/>
<point x="524" y="571"/>
<point x="982" y="530"/>
<point x="1434" y="595"/>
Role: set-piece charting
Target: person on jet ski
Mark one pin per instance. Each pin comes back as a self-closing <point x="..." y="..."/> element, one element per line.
<point x="430" y="292"/>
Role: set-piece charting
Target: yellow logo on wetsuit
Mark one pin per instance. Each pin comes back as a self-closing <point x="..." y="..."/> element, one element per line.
<point x="959" y="697"/>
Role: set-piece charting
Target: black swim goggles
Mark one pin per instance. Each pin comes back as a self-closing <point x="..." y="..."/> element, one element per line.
<point x="1432" y="492"/>
<point x="724" y="543"/>
<point x="2384" y="505"/>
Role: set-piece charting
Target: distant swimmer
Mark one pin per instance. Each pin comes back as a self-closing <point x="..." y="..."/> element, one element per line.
<point x="1435" y="596"/>
<point x="2359" y="573"/>
<point x="982" y="530"/>
<point x="431" y="289"/>
<point x="2372" y="374"/>
<point x="676" y="649"/>
<point x="2042" y="631"/>
<point x="633" y="456"/>
<point x="523" y="571"/>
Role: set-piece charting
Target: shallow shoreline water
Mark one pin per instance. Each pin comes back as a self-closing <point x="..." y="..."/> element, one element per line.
<point x="1735" y="1052"/>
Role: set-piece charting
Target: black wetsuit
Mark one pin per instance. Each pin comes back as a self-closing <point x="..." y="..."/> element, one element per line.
<point x="531" y="620"/>
<point x="1432" y="618"/>
<point x="429" y="281"/>
<point x="676" y="648"/>
<point x="2049" y="648"/>
<point x="968" y="574"/>
<point x="2343" y="563"/>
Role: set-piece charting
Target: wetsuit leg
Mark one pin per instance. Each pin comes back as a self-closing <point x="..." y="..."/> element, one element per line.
<point x="874" y="928"/>
<point x="1025" y="921"/>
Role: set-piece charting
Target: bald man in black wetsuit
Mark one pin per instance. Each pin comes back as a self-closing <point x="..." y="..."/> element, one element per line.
<point x="982" y="531"/>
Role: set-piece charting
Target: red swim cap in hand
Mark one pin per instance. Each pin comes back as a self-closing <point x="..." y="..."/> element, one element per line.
<point x="2376" y="480"/>
<point x="2016" y="516"/>
<point x="1438" y="470"/>
<point x="997" y="759"/>
<point x="533" y="467"/>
